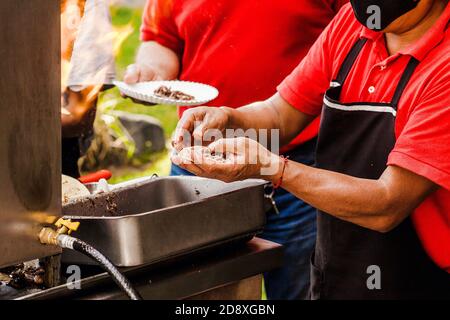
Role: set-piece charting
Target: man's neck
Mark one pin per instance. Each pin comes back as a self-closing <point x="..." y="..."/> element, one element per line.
<point x="397" y="42"/>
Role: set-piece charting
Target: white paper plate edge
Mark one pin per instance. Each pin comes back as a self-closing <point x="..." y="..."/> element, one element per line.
<point x="123" y="87"/>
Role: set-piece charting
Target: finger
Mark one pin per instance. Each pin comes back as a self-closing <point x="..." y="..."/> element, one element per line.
<point x="147" y="74"/>
<point x="176" y="159"/>
<point x="199" y="131"/>
<point x="228" y="145"/>
<point x="185" y="127"/>
<point x="208" y="125"/>
<point x="132" y="74"/>
<point x="178" y="146"/>
<point x="191" y="167"/>
<point x="180" y="139"/>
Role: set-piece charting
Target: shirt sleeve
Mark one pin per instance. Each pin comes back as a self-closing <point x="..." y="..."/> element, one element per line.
<point x="305" y="86"/>
<point x="423" y="146"/>
<point x="158" y="24"/>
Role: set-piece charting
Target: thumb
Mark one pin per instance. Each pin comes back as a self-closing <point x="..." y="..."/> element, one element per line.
<point x="132" y="74"/>
<point x="148" y="74"/>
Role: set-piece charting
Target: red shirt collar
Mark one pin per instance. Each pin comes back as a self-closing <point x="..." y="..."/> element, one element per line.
<point x="422" y="47"/>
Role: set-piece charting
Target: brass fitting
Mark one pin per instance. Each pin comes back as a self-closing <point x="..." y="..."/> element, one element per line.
<point x="64" y="226"/>
<point x="48" y="236"/>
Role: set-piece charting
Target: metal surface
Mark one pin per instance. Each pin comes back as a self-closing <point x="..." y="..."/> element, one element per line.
<point x="30" y="126"/>
<point x="180" y="280"/>
<point x="97" y="187"/>
<point x="166" y="217"/>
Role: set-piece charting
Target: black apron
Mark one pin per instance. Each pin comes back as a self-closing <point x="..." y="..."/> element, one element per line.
<point x="356" y="139"/>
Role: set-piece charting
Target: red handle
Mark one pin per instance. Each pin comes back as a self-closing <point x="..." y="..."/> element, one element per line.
<point x="96" y="176"/>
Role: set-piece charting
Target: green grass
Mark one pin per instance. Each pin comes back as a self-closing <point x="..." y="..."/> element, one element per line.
<point x="167" y="115"/>
<point x="122" y="17"/>
<point x="159" y="163"/>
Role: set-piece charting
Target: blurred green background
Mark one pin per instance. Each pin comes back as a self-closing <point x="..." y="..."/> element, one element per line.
<point x="110" y="101"/>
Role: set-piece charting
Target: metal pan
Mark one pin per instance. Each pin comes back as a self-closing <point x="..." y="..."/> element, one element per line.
<point x="166" y="217"/>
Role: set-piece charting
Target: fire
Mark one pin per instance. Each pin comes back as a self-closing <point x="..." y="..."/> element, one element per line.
<point x="71" y="13"/>
<point x="109" y="39"/>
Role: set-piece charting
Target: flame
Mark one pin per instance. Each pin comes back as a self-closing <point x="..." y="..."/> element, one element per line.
<point x="71" y="18"/>
<point x="71" y="14"/>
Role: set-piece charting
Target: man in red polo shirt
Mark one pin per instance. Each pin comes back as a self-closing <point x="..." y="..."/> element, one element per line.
<point x="245" y="49"/>
<point x="380" y="77"/>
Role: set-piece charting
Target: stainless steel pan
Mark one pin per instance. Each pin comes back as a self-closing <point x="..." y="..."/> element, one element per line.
<point x="166" y="217"/>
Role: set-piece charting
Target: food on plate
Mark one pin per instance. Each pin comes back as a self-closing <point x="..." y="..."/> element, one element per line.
<point x="166" y="92"/>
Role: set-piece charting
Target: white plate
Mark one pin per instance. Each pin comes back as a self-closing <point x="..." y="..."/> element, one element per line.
<point x="144" y="91"/>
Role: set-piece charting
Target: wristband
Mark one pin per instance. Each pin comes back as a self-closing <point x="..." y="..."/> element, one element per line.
<point x="280" y="182"/>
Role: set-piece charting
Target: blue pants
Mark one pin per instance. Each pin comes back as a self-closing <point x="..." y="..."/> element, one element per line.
<point x="295" y="229"/>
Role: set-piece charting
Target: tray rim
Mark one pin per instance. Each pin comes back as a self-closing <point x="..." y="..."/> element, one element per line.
<point x="257" y="183"/>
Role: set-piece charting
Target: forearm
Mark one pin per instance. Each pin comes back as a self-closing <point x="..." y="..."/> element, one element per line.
<point x="258" y="115"/>
<point x="272" y="114"/>
<point x="160" y="58"/>
<point x="378" y="205"/>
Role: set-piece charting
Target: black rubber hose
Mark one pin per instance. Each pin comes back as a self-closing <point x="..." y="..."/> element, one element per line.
<point x="88" y="250"/>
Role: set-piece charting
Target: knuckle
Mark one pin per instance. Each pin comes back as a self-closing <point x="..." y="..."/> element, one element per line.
<point x="188" y="112"/>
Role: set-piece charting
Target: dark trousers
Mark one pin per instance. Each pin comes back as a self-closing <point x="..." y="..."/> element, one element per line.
<point x="70" y="155"/>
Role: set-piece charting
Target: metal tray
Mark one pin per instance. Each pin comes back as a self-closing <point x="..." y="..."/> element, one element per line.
<point x="165" y="217"/>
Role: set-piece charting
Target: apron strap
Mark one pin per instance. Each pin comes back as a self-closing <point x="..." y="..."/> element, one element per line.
<point x="350" y="60"/>
<point x="410" y="68"/>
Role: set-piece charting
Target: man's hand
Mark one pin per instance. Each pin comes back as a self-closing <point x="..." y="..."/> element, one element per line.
<point x="139" y="73"/>
<point x="153" y="62"/>
<point x="231" y="160"/>
<point x="201" y="124"/>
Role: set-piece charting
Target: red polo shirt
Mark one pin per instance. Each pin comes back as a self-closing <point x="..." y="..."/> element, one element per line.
<point x="244" y="48"/>
<point x="423" y="118"/>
